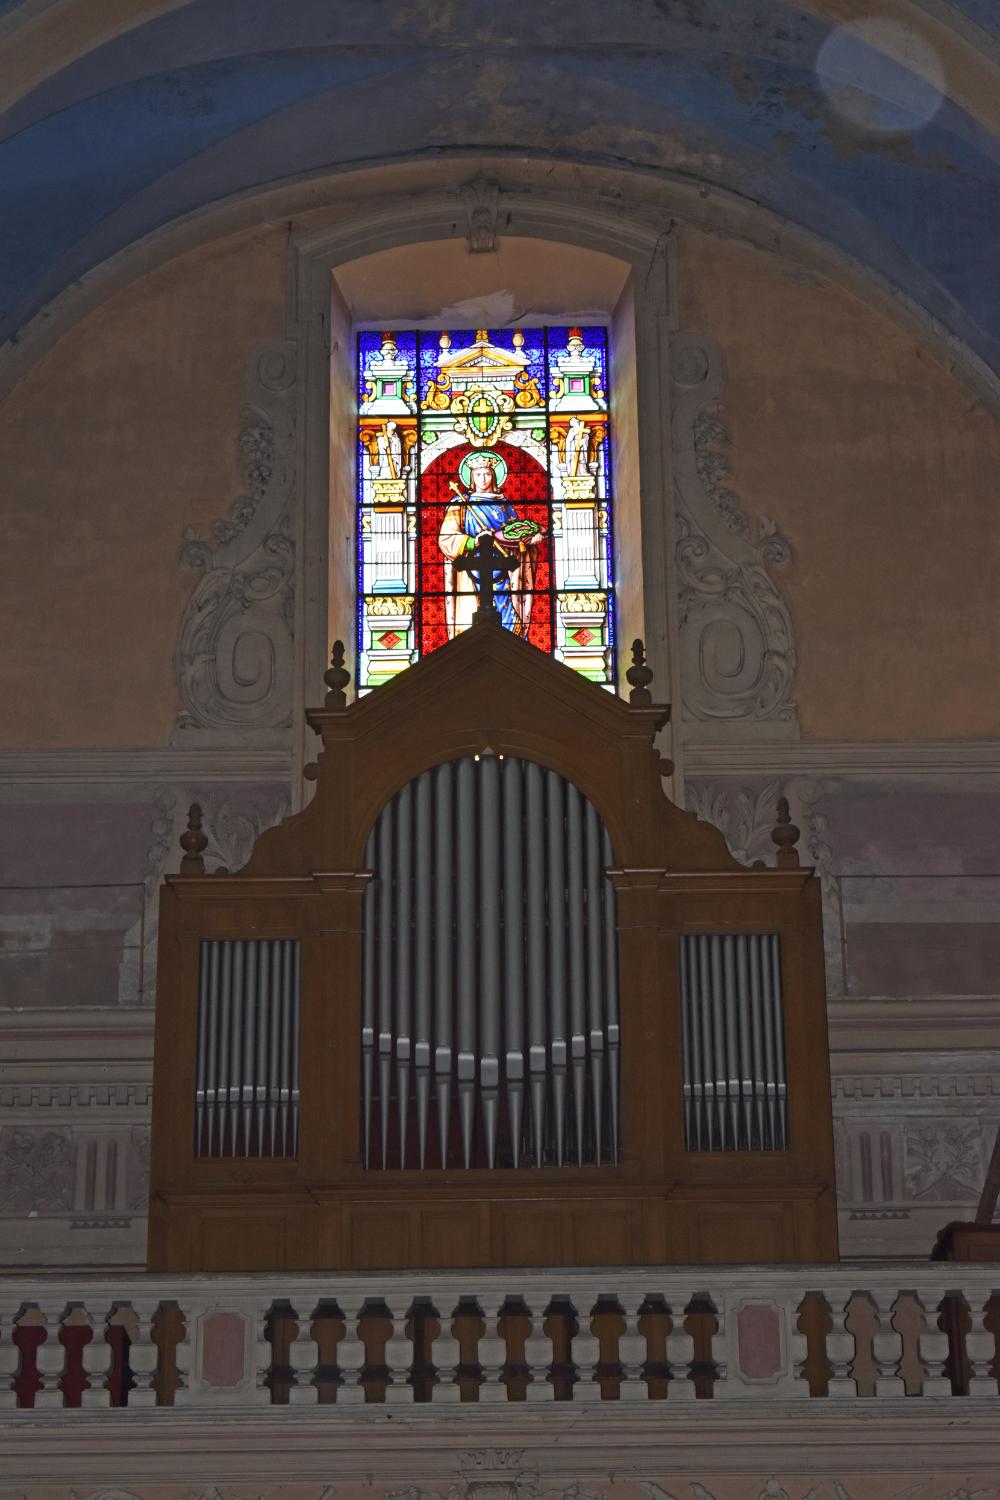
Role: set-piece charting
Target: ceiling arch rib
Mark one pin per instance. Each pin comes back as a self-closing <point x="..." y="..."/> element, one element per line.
<point x="170" y="146"/>
<point x="348" y="208"/>
<point x="41" y="39"/>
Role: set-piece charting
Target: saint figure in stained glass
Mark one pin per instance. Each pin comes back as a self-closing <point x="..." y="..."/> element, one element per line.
<point x="481" y="509"/>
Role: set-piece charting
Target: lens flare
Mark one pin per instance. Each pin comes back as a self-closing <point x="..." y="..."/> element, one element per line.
<point x="881" y="75"/>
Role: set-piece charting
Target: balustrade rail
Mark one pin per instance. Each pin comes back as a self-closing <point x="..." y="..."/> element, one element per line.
<point x="636" y="1335"/>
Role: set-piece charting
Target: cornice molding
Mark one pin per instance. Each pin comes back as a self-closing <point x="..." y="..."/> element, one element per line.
<point x="95" y="767"/>
<point x="909" y="758"/>
<point x="945" y="1025"/>
<point x="420" y="1447"/>
<point x="166" y="764"/>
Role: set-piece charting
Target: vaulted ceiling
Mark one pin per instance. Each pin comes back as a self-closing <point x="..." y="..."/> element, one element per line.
<point x="875" y="127"/>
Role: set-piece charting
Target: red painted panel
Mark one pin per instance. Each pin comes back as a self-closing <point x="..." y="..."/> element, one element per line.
<point x="758" y="1326"/>
<point x="222" y="1349"/>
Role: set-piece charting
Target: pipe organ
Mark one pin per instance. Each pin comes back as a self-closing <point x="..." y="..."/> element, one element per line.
<point x="490" y="972"/>
<point x="490" y="999"/>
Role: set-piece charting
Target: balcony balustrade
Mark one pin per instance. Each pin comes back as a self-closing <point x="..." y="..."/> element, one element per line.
<point x="653" y="1340"/>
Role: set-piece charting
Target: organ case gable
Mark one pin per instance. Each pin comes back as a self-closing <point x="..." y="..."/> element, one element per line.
<point x="725" y="1147"/>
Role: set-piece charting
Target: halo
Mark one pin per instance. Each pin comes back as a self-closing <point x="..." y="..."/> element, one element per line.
<point x="500" y="468"/>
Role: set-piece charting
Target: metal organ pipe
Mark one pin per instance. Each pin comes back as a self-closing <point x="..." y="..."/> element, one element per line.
<point x="513" y="957"/>
<point x="423" y="957"/>
<point x="247" y="1091"/>
<point x="556" y="901"/>
<point x="403" y="939"/>
<point x="444" y="917"/>
<point x="734" y="1071"/>
<point x="465" y="936"/>
<point x="536" y="918"/>
<point x="491" y="945"/>
<point x="577" y="982"/>
<point x="367" y="1002"/>
<point x="490" y="973"/>
<point x="613" y="1021"/>
<point x="387" y="880"/>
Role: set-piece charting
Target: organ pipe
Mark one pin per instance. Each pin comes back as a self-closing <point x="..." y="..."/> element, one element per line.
<point x="735" y="1091"/>
<point x="492" y="916"/>
<point x="247" y="1089"/>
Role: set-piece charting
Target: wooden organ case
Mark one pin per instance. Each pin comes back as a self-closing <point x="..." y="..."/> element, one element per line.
<point x="490" y="999"/>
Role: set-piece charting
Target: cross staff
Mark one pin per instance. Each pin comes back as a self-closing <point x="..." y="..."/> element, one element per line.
<point x="486" y="556"/>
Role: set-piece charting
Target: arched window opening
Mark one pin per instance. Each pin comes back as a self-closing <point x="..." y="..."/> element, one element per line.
<point x="484" y="448"/>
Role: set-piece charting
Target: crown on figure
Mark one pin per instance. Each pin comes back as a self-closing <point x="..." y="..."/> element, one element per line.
<point x="483" y="461"/>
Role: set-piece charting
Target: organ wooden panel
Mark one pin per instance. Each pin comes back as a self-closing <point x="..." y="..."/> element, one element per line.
<point x="723" y="1129"/>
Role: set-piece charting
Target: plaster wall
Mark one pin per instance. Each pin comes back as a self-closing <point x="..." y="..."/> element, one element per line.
<point x="119" y="438"/>
<point x="881" y="470"/>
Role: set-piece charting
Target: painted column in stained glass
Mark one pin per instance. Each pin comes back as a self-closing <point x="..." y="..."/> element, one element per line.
<point x="501" y="432"/>
<point x="578" y="456"/>
<point x="387" y="440"/>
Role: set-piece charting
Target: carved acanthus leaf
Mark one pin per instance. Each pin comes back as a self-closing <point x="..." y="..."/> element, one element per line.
<point x="234" y="655"/>
<point x="737" y="642"/>
<point x="233" y="825"/>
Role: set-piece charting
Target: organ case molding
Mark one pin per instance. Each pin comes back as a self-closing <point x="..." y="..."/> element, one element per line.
<point x="307" y="878"/>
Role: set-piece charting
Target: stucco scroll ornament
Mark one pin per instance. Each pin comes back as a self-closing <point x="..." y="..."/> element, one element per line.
<point x="235" y="654"/>
<point x="737" y="641"/>
<point x="481" y="197"/>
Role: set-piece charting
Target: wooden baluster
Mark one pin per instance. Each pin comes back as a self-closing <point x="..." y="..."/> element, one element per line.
<point x="50" y="1362"/>
<point x="680" y="1351"/>
<point x="492" y="1355"/>
<point x="351" y="1357"/>
<point x="97" y="1356"/>
<point x="933" y="1348"/>
<point x="399" y="1360"/>
<point x="446" y="1353"/>
<point x="632" y="1355"/>
<point x="887" y="1347"/>
<point x="538" y="1357"/>
<point x="980" y="1349"/>
<point x="840" y="1350"/>
<point x="585" y="1350"/>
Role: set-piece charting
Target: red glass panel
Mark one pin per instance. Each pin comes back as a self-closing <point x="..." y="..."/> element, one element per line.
<point x="431" y="559"/>
<point x="526" y="479"/>
<point x="540" y="622"/>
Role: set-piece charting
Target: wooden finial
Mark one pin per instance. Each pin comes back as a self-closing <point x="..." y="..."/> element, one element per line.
<point x="336" y="678"/>
<point x="786" y="836"/>
<point x="639" y="676"/>
<point x="194" y="843"/>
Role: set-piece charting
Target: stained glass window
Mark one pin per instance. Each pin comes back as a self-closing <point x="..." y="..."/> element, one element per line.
<point x="504" y="432"/>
